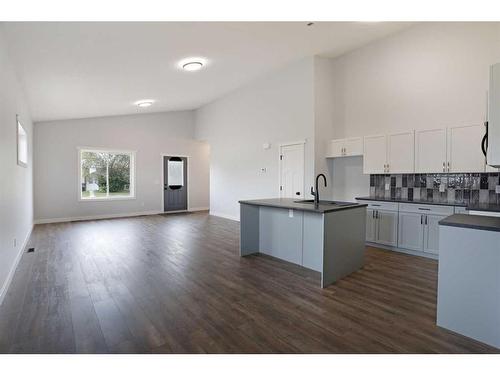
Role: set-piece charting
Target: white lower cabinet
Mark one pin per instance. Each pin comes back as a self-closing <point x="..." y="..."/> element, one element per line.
<point x="419" y="226"/>
<point x="387" y="227"/>
<point x="431" y="233"/>
<point x="382" y="223"/>
<point x="371" y="225"/>
<point x="411" y="231"/>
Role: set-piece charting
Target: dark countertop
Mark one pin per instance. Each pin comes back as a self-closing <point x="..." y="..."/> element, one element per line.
<point x="489" y="223"/>
<point x="493" y="207"/>
<point x="416" y="201"/>
<point x="290" y="203"/>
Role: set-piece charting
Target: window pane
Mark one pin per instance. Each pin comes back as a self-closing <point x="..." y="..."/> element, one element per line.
<point x="176" y="172"/>
<point x="22" y="144"/>
<point x="94" y="175"/>
<point x="119" y="175"/>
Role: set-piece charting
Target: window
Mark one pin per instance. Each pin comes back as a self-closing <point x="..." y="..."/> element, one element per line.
<point x="22" y="145"/>
<point x="175" y="172"/>
<point x="106" y="174"/>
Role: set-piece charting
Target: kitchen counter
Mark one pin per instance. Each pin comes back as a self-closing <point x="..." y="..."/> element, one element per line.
<point x="329" y="238"/>
<point x="472" y="222"/>
<point x="289" y="203"/>
<point x="490" y="207"/>
<point x="415" y="201"/>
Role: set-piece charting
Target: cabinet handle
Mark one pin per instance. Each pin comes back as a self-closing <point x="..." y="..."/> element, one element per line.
<point x="425" y="219"/>
<point x="377" y="215"/>
<point x="448" y="166"/>
<point x="444" y="166"/>
<point x="421" y="219"/>
<point x="373" y="214"/>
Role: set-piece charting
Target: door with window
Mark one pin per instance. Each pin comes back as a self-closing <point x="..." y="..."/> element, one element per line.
<point x="292" y="171"/>
<point x="175" y="183"/>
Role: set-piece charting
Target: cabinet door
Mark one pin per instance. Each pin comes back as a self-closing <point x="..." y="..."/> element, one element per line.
<point x="387" y="227"/>
<point x="371" y="226"/>
<point x="430" y="151"/>
<point x="411" y="231"/>
<point x="464" y="149"/>
<point x="336" y="148"/>
<point x="354" y="146"/>
<point x="401" y="152"/>
<point x="375" y="154"/>
<point x="431" y="233"/>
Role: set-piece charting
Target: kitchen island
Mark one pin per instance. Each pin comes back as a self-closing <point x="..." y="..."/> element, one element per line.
<point x="328" y="238"/>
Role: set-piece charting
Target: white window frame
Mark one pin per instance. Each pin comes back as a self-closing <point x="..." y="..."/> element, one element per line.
<point x="132" y="154"/>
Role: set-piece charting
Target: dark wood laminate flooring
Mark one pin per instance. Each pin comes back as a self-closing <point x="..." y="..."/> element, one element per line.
<point x="176" y="284"/>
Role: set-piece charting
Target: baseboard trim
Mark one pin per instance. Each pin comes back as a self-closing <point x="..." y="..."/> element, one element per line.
<point x="404" y="251"/>
<point x="225" y="216"/>
<point x="95" y="217"/>
<point x="111" y="216"/>
<point x="10" y="276"/>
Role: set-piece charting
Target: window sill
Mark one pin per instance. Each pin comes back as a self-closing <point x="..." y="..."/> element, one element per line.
<point x="107" y="199"/>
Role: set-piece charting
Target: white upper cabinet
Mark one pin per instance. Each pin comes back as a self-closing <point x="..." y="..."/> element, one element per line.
<point x="375" y="154"/>
<point x="401" y="152"/>
<point x="346" y="147"/>
<point x="430" y="151"/>
<point x="336" y="148"/>
<point x="353" y="146"/>
<point x="464" y="149"/>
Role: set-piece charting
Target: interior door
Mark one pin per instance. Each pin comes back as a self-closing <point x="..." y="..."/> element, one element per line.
<point x="430" y="151"/>
<point x="175" y="183"/>
<point x="292" y="171"/>
<point x="375" y="154"/>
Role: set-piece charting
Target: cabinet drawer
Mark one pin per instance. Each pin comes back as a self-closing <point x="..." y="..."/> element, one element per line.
<point x="378" y="205"/>
<point x="426" y="209"/>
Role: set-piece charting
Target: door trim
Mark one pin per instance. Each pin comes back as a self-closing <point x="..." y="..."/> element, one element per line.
<point x="162" y="182"/>
<point x="299" y="143"/>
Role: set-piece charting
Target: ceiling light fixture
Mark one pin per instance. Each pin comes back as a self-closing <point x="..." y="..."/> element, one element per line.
<point x="192" y="64"/>
<point x="144" y="103"/>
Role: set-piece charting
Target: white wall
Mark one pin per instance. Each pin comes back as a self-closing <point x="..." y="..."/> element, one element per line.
<point x="431" y="75"/>
<point x="277" y="108"/>
<point x="16" y="185"/>
<point x="150" y="135"/>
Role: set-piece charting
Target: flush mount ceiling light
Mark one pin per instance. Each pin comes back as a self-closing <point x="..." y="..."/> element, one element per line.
<point x="192" y="64"/>
<point x="144" y="103"/>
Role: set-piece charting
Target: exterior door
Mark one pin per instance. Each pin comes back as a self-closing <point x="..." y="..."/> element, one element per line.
<point x="292" y="171"/>
<point x="174" y="183"/>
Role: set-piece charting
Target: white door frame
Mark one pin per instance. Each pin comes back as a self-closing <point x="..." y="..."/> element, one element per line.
<point x="303" y="144"/>
<point x="162" y="183"/>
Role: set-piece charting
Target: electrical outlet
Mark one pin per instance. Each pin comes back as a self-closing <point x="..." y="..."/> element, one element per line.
<point x="497" y="189"/>
<point x="263" y="170"/>
<point x="387" y="186"/>
<point x="442" y="188"/>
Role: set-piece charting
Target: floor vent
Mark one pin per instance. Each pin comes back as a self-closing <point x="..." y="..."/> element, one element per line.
<point x="31" y="250"/>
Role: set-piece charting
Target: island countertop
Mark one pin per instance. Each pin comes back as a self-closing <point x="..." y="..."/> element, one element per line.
<point x="291" y="203"/>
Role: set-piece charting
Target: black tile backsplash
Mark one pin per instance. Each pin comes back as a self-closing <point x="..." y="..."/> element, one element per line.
<point x="459" y="187"/>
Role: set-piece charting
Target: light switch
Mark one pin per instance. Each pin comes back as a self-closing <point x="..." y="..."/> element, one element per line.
<point x="387" y="187"/>
<point x="442" y="188"/>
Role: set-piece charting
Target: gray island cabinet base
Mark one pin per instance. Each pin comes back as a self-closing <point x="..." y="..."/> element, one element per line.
<point x="328" y="240"/>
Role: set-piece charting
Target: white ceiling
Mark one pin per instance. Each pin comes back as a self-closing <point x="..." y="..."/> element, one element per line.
<point x="77" y="70"/>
